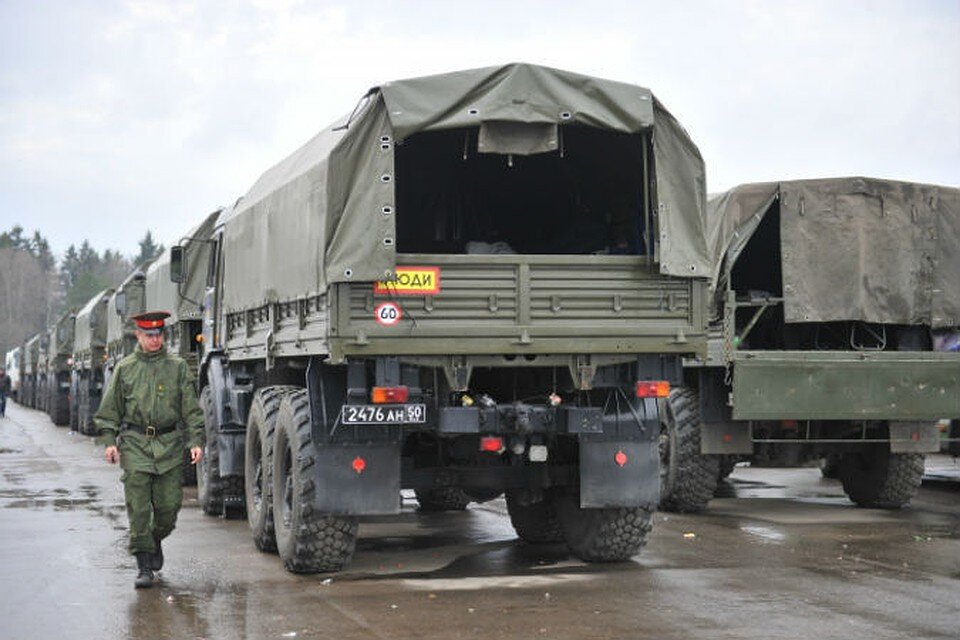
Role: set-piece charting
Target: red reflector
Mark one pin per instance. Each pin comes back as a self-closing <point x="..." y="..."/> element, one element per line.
<point x="727" y="437"/>
<point x="789" y="424"/>
<point x="359" y="464"/>
<point x="653" y="389"/>
<point x="620" y="458"/>
<point x="389" y="395"/>
<point x="491" y="443"/>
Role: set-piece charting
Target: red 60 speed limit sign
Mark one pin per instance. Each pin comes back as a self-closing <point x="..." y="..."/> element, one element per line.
<point x="388" y="314"/>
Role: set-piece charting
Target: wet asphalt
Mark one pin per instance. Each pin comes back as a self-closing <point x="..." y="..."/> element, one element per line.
<point x="781" y="554"/>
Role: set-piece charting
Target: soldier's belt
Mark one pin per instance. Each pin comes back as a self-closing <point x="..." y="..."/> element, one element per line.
<point x="149" y="430"/>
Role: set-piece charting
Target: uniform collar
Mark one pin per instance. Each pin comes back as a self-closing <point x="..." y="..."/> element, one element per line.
<point x="143" y="355"/>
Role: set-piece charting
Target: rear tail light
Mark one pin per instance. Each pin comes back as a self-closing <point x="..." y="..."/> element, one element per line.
<point x="389" y="395"/>
<point x="653" y="389"/>
<point x="492" y="444"/>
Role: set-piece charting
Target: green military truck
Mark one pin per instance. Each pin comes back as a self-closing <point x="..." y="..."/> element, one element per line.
<point x="56" y="369"/>
<point x="478" y="283"/>
<point x="89" y="355"/>
<point x="184" y="302"/>
<point x="829" y="298"/>
<point x="127" y="300"/>
<point x="29" y="383"/>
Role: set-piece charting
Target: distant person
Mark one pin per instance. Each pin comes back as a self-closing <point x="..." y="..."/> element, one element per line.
<point x="150" y="393"/>
<point x="5" y="385"/>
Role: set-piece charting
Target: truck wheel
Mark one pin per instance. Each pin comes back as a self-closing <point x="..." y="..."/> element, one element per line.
<point x="535" y="522"/>
<point x="688" y="479"/>
<point x="209" y="489"/>
<point x="73" y="403"/>
<point x="442" y="499"/>
<point x="307" y="541"/>
<point x="258" y="464"/>
<point x="879" y="479"/>
<point x="189" y="470"/>
<point x="602" y="535"/>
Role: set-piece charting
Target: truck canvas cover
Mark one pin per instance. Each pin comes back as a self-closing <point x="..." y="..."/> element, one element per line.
<point x="852" y="248"/>
<point x="334" y="198"/>
<point x="85" y="337"/>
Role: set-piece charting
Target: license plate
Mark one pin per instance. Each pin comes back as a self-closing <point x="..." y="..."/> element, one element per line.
<point x="383" y="414"/>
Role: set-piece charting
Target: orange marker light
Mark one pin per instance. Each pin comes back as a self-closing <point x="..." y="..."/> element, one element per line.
<point x="653" y="389"/>
<point x="199" y="337"/>
<point x="389" y="395"/>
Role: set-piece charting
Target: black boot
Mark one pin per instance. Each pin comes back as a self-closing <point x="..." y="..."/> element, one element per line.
<point x="156" y="558"/>
<point x="145" y="575"/>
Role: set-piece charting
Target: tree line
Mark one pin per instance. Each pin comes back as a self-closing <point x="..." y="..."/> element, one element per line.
<point x="36" y="288"/>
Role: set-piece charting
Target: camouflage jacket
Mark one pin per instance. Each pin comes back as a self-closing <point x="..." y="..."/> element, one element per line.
<point x="150" y="389"/>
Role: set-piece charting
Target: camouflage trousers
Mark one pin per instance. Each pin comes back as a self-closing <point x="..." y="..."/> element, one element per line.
<point x="153" y="502"/>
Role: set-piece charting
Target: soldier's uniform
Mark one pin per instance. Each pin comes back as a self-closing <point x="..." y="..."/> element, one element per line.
<point x="149" y="396"/>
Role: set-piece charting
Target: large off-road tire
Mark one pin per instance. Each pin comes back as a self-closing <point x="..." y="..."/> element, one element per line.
<point x="258" y="464"/>
<point x="534" y="522"/>
<point x="688" y="478"/>
<point x="601" y="535"/>
<point x="307" y="541"/>
<point x="59" y="408"/>
<point x="209" y="483"/>
<point x="189" y="476"/>
<point x="73" y="403"/>
<point x="442" y="499"/>
<point x="879" y="479"/>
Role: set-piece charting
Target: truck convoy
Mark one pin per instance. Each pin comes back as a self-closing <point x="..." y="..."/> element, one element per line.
<point x="14" y="369"/>
<point x="829" y="299"/>
<point x="508" y="281"/>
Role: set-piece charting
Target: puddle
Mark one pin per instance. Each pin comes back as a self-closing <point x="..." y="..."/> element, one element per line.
<point x="767" y="534"/>
<point x="58" y="504"/>
<point x="6" y="450"/>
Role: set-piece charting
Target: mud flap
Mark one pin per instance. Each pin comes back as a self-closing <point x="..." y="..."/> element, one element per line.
<point x="231" y="446"/>
<point x="356" y="480"/>
<point x="619" y="473"/>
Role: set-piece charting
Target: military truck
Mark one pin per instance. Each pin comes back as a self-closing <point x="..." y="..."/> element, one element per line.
<point x="477" y="283"/>
<point x="184" y="301"/>
<point x="128" y="300"/>
<point x="57" y="366"/>
<point x="828" y="297"/>
<point x="29" y="384"/>
<point x="14" y="369"/>
<point x="89" y="355"/>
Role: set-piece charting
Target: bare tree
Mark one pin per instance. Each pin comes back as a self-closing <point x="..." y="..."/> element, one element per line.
<point x="24" y="296"/>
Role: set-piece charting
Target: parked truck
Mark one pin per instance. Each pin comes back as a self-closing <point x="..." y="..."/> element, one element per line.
<point x="55" y="365"/>
<point x="478" y="283"/>
<point x="29" y="384"/>
<point x="184" y="302"/>
<point x="828" y="298"/>
<point x="89" y="356"/>
<point x="127" y="300"/>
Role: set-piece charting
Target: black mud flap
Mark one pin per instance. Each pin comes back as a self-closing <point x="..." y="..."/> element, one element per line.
<point x="231" y="445"/>
<point x="619" y="473"/>
<point x="358" y="479"/>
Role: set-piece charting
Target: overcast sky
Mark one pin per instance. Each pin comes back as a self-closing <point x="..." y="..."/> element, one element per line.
<point x="122" y="116"/>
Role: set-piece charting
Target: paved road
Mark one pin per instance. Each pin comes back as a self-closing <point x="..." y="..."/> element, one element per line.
<point x="784" y="555"/>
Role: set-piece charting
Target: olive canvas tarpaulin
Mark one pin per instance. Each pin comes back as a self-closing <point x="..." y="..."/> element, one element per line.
<point x="334" y="198"/>
<point x="182" y="300"/>
<point x="852" y="248"/>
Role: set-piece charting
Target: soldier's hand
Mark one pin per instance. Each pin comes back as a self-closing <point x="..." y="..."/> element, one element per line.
<point x="196" y="453"/>
<point x="113" y="455"/>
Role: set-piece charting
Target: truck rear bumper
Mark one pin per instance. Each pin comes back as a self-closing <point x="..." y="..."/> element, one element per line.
<point x="840" y="385"/>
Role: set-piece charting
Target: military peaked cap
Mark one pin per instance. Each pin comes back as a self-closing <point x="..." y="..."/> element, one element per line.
<point x="151" y="322"/>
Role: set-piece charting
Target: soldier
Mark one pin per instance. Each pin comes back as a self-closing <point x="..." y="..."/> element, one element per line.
<point x="150" y="394"/>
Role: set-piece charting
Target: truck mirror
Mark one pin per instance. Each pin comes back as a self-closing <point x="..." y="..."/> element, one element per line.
<point x="178" y="264"/>
<point x="120" y="303"/>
